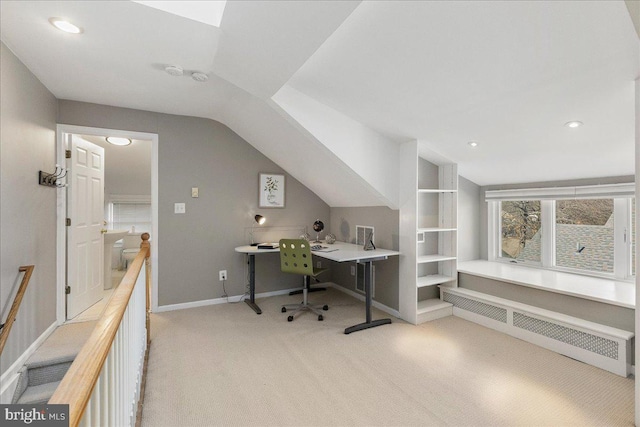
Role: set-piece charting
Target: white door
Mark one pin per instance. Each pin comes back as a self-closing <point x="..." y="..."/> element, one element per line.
<point x="85" y="242"/>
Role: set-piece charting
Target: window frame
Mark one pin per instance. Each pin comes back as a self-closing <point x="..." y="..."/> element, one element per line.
<point x="623" y="222"/>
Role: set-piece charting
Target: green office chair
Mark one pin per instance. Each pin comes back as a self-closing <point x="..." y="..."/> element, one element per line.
<point x="295" y="258"/>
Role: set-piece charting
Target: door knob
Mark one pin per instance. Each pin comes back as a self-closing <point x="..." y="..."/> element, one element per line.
<point x="104" y="230"/>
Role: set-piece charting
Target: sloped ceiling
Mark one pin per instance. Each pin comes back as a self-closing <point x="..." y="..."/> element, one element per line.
<point x="505" y="74"/>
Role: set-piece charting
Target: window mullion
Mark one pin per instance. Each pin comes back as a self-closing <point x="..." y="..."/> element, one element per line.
<point x="548" y="236"/>
<point x="621" y="238"/>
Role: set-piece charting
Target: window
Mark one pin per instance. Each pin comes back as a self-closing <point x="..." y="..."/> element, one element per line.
<point x="588" y="230"/>
<point x="520" y="230"/>
<point x="584" y="234"/>
<point x="124" y="215"/>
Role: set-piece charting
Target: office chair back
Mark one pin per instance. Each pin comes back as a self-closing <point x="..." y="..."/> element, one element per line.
<point x="295" y="257"/>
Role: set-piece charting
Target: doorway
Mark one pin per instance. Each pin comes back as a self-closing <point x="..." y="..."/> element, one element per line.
<point x="119" y="184"/>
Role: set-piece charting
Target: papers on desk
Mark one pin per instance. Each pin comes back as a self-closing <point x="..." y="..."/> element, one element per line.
<point x="268" y="245"/>
<point x="322" y="249"/>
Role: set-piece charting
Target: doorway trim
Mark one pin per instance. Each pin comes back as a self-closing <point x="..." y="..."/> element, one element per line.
<point x="61" y="209"/>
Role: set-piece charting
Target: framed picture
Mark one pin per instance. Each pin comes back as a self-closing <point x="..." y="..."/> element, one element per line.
<point x="271" y="190"/>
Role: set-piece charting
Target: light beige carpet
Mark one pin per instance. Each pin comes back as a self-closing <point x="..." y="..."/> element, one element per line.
<point x="226" y="366"/>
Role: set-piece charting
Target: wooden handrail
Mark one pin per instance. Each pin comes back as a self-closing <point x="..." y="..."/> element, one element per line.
<point x="76" y="387"/>
<point x="13" y="312"/>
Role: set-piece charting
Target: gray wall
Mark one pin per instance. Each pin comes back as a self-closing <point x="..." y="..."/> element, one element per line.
<point x="193" y="247"/>
<point x="469" y="225"/>
<point x="386" y="223"/>
<point x="27" y="210"/>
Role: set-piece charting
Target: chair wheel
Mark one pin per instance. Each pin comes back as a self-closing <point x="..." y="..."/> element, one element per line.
<point x="320" y="318"/>
<point x="284" y="309"/>
<point x="325" y="307"/>
<point x="290" y="318"/>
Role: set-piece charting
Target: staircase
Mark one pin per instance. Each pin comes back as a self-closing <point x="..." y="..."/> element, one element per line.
<point x="44" y="370"/>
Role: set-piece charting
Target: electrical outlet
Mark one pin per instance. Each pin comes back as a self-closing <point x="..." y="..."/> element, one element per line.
<point x="194" y="191"/>
<point x="353" y="270"/>
<point x="223" y="275"/>
<point x="179" y="208"/>
<point x="319" y="264"/>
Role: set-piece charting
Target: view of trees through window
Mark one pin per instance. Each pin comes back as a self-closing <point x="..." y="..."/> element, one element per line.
<point x="584" y="234"/>
<point x="590" y="236"/>
<point x="521" y="229"/>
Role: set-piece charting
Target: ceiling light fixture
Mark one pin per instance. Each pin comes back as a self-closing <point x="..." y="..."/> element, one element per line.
<point x="199" y="77"/>
<point x="472" y="144"/>
<point x="174" y="70"/>
<point x="65" y="26"/>
<point x="573" y="124"/>
<point x="117" y="140"/>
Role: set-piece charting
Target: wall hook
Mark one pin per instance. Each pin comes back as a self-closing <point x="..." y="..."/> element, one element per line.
<point x="53" y="179"/>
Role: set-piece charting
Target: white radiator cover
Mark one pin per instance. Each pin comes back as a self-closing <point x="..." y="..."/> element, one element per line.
<point x="598" y="345"/>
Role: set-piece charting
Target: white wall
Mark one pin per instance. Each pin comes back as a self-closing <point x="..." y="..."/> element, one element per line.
<point x="469" y="224"/>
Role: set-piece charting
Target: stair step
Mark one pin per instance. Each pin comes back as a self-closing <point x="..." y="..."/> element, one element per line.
<point x="39" y="394"/>
<point x="50" y="362"/>
<point x="63" y="345"/>
<point x="48" y="373"/>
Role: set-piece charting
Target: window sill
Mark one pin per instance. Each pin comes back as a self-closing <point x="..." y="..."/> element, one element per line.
<point x="603" y="290"/>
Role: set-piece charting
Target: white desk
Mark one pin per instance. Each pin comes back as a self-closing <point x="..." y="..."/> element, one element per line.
<point x="339" y="252"/>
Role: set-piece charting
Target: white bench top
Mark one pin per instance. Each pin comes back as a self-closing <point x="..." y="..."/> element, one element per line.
<point x="604" y="290"/>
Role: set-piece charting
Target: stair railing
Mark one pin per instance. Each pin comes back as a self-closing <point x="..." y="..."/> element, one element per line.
<point x="5" y="328"/>
<point x="103" y="384"/>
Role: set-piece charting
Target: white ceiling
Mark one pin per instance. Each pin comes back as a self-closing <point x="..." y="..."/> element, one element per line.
<point x="505" y="74"/>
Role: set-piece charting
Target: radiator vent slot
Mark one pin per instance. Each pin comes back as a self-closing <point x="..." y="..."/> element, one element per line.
<point x="487" y="310"/>
<point x="574" y="337"/>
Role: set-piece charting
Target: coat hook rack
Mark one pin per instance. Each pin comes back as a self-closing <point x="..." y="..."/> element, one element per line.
<point x="53" y="179"/>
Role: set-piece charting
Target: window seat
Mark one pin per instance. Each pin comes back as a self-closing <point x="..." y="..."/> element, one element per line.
<point x="597" y="289"/>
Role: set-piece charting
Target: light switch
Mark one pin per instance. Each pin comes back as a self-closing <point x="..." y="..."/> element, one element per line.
<point x="179" y="208"/>
<point x="194" y="191"/>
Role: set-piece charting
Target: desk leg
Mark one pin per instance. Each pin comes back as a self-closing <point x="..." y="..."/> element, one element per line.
<point x="368" y="276"/>
<point x="251" y="302"/>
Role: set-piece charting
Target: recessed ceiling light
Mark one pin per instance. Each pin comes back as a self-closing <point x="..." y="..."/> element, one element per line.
<point x="472" y="144"/>
<point x="117" y="140"/>
<point x="174" y="70"/>
<point x="573" y="124"/>
<point x="199" y="77"/>
<point x="65" y="26"/>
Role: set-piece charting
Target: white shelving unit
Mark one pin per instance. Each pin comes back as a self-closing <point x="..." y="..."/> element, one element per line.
<point x="429" y="229"/>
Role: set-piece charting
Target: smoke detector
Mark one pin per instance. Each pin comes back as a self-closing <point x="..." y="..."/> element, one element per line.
<point x="199" y="77"/>
<point x="174" y="70"/>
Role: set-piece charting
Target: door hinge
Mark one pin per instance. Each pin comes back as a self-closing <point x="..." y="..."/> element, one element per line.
<point x="67" y="154"/>
<point x="68" y="222"/>
<point x="67" y="290"/>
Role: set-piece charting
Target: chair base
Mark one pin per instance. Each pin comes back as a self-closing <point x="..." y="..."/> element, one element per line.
<point x="304" y="305"/>
<point x="299" y="308"/>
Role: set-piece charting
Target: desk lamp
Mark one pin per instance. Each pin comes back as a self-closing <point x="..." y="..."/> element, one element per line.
<point x="260" y="220"/>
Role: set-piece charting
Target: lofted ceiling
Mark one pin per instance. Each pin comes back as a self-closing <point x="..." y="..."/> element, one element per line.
<point x="289" y="76"/>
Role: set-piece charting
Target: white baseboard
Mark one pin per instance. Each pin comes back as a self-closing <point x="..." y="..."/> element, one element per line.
<point x="238" y="298"/>
<point x="215" y="301"/>
<point x="9" y="378"/>
<point x="361" y="297"/>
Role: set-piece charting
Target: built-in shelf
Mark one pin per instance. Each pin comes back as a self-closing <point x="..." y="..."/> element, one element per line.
<point x="428" y="305"/>
<point x="433" y="279"/>
<point x="435" y="229"/>
<point x="429" y="221"/>
<point x="434" y="258"/>
<point x="436" y="190"/>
